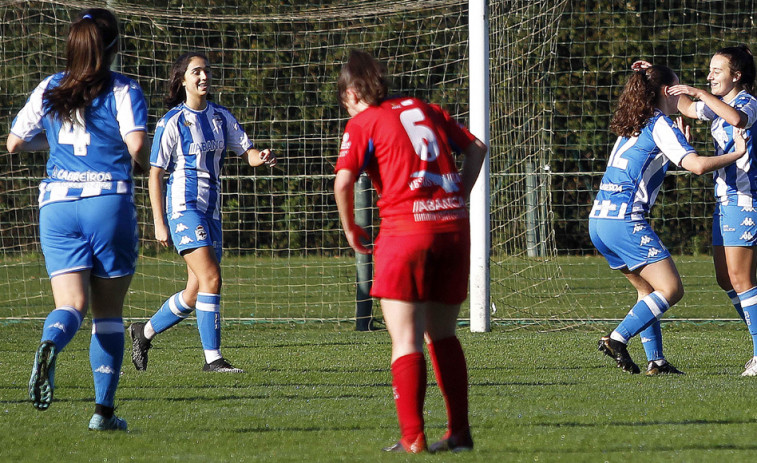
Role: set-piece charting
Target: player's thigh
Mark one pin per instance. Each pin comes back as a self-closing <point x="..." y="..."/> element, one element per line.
<point x="405" y="322"/>
<point x="740" y="262"/>
<point x="441" y="320"/>
<point x="72" y="290"/>
<point x="663" y="277"/>
<point x="110" y="224"/>
<point x="643" y="288"/>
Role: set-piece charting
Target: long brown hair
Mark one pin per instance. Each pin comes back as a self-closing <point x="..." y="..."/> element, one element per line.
<point x="637" y="102"/>
<point x="176" y="92"/>
<point x="740" y="60"/>
<point x="91" y="46"/>
<point x="365" y="75"/>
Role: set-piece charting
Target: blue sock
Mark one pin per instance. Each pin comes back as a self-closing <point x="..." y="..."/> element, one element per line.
<point x="171" y="312"/>
<point x="736" y="302"/>
<point x="651" y="339"/>
<point x="209" y="324"/>
<point x="106" y="353"/>
<point x="749" y="303"/>
<point x="60" y="326"/>
<point x="643" y="314"/>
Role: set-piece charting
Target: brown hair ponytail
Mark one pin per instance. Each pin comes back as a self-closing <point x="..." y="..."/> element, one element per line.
<point x="90" y="48"/>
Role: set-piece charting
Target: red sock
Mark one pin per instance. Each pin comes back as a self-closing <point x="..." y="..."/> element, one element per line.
<point x="451" y="372"/>
<point x="409" y="387"/>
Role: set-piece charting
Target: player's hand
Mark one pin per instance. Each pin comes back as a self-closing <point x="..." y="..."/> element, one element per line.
<point x="684" y="90"/>
<point x="640" y="64"/>
<point x="684" y="128"/>
<point x="740" y="137"/>
<point x="162" y="235"/>
<point x="355" y="237"/>
<point x="268" y="157"/>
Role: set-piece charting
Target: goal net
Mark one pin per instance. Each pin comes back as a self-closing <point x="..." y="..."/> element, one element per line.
<point x="275" y="66"/>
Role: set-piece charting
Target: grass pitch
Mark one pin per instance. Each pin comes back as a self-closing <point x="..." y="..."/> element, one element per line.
<point x="321" y="393"/>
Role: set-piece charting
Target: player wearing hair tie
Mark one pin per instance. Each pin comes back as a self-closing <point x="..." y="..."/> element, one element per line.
<point x="647" y="142"/>
<point x="94" y="123"/>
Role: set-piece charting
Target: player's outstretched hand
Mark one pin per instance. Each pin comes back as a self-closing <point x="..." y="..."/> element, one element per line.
<point x="641" y="64"/>
<point x="684" y="90"/>
<point x="268" y="157"/>
<point x="355" y="237"/>
<point x="684" y="128"/>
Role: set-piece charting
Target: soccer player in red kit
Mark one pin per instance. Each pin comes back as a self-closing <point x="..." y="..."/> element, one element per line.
<point x="421" y="253"/>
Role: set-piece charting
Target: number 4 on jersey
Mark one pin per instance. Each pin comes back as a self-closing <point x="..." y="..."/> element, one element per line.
<point x="75" y="135"/>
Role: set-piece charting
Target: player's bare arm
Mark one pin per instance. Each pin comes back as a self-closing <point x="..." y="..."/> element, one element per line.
<point x="474" y="159"/>
<point x="702" y="164"/>
<point x="686" y="105"/>
<point x="344" y="188"/>
<point x="16" y="144"/>
<point x="162" y="234"/>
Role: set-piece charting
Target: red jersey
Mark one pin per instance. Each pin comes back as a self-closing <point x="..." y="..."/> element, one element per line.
<point x="405" y="146"/>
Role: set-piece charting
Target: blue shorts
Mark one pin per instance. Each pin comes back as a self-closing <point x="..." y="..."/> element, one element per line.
<point x="734" y="225"/>
<point x="624" y="243"/>
<point x="193" y="229"/>
<point x="98" y="233"/>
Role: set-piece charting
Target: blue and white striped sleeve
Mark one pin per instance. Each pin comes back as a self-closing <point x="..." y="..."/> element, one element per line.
<point x="28" y="122"/>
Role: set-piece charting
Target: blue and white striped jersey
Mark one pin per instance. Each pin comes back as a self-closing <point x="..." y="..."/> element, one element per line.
<point x="636" y="169"/>
<point x="191" y="145"/>
<point x="736" y="182"/>
<point x="88" y="159"/>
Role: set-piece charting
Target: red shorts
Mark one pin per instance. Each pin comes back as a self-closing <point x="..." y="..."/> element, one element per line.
<point x="422" y="267"/>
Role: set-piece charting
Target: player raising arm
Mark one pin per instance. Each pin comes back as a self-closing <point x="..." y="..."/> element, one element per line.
<point x="422" y="250"/>
<point x="734" y="230"/>
<point x="191" y="142"/>
<point x="647" y="141"/>
<point x="93" y="121"/>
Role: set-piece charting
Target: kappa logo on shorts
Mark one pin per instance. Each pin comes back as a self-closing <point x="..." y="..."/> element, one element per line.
<point x="180" y="228"/>
<point x="176" y="215"/>
<point x="185" y="240"/>
<point x="748" y="222"/>
<point x="746" y="236"/>
<point x="747" y="209"/>
<point x="200" y="233"/>
<point x="638" y="227"/>
<point x="645" y="240"/>
<point x="653" y="252"/>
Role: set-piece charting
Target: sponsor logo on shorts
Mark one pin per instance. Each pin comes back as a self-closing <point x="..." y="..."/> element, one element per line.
<point x="727" y="228"/>
<point x="645" y="240"/>
<point x="185" y="240"/>
<point x="653" y="252"/>
<point x="746" y="236"/>
<point x="638" y="227"/>
<point x="180" y="228"/>
<point x="748" y="222"/>
<point x="200" y="233"/>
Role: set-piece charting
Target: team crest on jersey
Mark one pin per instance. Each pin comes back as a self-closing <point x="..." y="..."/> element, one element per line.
<point x="185" y="240"/>
<point x="187" y="123"/>
<point x="748" y="222"/>
<point x="653" y="252"/>
<point x="217" y="123"/>
<point x="645" y="240"/>
<point x="746" y="236"/>
<point x="638" y="227"/>
<point x="180" y="228"/>
<point x="200" y="233"/>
